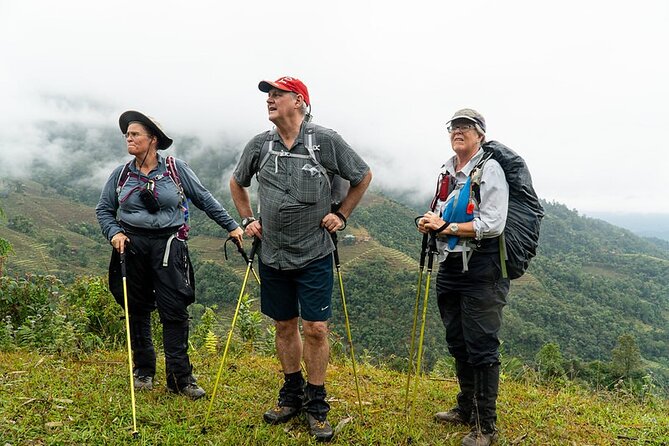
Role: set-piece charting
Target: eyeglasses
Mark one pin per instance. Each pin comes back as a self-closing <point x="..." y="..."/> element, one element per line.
<point x="133" y="135"/>
<point x="462" y="127"/>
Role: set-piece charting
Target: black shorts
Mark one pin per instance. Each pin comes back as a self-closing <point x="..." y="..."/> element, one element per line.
<point x="304" y="292"/>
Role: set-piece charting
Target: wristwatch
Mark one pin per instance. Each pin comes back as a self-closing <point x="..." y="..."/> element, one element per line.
<point x="454" y="228"/>
<point x="247" y="221"/>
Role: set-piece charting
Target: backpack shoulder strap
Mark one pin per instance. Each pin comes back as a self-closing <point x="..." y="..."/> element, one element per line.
<point x="315" y="153"/>
<point x="314" y="149"/>
<point x="123" y="177"/>
<point x="173" y="172"/>
<point x="265" y="150"/>
<point x="171" y="166"/>
<point x="476" y="175"/>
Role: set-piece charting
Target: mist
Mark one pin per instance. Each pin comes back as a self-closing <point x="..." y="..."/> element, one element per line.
<point x="578" y="89"/>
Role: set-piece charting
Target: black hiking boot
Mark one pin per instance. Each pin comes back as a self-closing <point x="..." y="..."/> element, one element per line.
<point x="280" y="414"/>
<point x="453" y="416"/>
<point x="320" y="429"/>
<point x="316" y="409"/>
<point x="191" y="390"/>
<point x="478" y="438"/>
<point x="290" y="400"/>
<point x="143" y="383"/>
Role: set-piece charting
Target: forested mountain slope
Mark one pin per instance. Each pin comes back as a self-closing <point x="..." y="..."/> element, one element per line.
<point x="590" y="282"/>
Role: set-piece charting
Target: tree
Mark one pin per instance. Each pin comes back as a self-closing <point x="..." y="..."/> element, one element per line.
<point x="549" y="360"/>
<point x="626" y="357"/>
<point x="22" y="224"/>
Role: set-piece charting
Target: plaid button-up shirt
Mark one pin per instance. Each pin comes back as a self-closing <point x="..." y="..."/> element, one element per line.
<point x="294" y="196"/>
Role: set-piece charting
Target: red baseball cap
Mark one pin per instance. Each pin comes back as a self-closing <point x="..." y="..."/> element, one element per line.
<point x="286" y="83"/>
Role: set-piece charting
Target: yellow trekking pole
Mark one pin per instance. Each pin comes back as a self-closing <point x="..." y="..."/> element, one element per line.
<point x="423" y="252"/>
<point x="124" y="276"/>
<point x="249" y="266"/>
<point x="432" y="250"/>
<point x="335" y="255"/>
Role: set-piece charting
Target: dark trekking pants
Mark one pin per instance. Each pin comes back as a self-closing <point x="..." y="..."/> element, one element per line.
<point x="143" y="353"/>
<point x="157" y="281"/>
<point x="470" y="304"/>
<point x="466" y="379"/>
<point x="485" y="397"/>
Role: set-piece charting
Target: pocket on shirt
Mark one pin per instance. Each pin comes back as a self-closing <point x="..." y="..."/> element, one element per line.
<point x="308" y="184"/>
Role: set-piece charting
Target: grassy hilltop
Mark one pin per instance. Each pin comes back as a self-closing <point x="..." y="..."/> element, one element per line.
<point x="47" y="399"/>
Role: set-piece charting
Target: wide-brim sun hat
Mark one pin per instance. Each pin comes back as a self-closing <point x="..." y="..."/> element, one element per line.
<point x="129" y="116"/>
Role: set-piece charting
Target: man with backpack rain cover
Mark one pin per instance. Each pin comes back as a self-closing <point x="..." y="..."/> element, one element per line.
<point x="485" y="217"/>
<point x="296" y="165"/>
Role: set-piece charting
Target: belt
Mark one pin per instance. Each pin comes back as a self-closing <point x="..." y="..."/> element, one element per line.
<point x="149" y="232"/>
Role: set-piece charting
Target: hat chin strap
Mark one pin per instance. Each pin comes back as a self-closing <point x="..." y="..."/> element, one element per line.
<point x="146" y="155"/>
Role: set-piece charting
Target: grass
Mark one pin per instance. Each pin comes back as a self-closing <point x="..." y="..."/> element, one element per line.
<point x="68" y="401"/>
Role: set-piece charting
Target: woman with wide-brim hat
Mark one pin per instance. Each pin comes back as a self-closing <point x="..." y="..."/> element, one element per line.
<point x="143" y="213"/>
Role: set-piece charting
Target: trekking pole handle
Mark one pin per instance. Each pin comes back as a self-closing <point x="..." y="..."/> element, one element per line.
<point x="122" y="261"/>
<point x="335" y="253"/>
<point x="240" y="249"/>
<point x="254" y="248"/>
<point x="423" y="251"/>
<point x="432" y="248"/>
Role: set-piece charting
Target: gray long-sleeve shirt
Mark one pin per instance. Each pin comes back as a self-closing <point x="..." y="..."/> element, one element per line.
<point x="127" y="207"/>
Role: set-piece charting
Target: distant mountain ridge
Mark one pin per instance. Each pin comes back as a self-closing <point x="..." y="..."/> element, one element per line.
<point x="645" y="225"/>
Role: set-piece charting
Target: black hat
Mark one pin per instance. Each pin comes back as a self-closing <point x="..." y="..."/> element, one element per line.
<point x="126" y="118"/>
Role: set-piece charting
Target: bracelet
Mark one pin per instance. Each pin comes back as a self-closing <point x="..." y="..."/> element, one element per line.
<point x="441" y="228"/>
<point x="341" y="216"/>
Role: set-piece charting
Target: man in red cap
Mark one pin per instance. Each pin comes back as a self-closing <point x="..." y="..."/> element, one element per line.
<point x="294" y="163"/>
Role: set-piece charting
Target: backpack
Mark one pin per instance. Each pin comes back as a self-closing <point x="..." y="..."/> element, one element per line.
<point x="173" y="174"/>
<point x="338" y="186"/>
<point x="518" y="243"/>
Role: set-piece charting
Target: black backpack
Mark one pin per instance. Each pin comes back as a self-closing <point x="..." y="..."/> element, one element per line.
<point x="521" y="233"/>
<point x="338" y="186"/>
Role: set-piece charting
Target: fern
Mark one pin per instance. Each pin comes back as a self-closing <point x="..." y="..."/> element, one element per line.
<point x="205" y="328"/>
<point x="250" y="322"/>
<point x="211" y="342"/>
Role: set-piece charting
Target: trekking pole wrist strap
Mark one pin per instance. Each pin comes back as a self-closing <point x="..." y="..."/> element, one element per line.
<point x="342" y="218"/>
<point x="441" y="228"/>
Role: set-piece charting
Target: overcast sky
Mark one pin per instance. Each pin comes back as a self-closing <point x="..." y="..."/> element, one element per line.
<point x="578" y="88"/>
